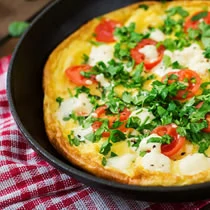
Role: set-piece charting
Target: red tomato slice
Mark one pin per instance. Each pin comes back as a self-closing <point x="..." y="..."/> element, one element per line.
<point x="122" y="127"/>
<point x="124" y="115"/>
<point x="140" y="57"/>
<point x="177" y="142"/>
<point x="194" y="24"/>
<point x="100" y="111"/>
<point x="199" y="105"/>
<point x="192" y="80"/>
<point x="96" y="125"/>
<point x="73" y="74"/>
<point x="207" y="117"/>
<point x="105" y="30"/>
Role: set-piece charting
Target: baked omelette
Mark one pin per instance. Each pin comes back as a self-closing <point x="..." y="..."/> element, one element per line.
<point x="127" y="96"/>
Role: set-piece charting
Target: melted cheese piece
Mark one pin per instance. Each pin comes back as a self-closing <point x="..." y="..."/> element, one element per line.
<point x="102" y="53"/>
<point x="150" y="52"/>
<point x="193" y="164"/>
<point x="81" y="132"/>
<point x="161" y="70"/>
<point x="143" y="114"/>
<point x="103" y="81"/>
<point x="128" y="69"/>
<point x="80" y="105"/>
<point x="157" y="35"/>
<point x="121" y="163"/>
<point x="144" y="146"/>
<point x="190" y="57"/>
<point x="155" y="161"/>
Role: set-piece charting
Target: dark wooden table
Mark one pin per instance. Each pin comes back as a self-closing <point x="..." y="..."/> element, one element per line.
<point x="16" y="10"/>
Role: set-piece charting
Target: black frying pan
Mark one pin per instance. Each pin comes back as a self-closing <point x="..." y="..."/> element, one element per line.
<point x="25" y="94"/>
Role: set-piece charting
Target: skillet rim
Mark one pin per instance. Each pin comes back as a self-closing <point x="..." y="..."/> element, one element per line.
<point x="70" y="169"/>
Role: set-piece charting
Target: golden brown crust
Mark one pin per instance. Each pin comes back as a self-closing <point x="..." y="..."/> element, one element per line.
<point x="54" y="129"/>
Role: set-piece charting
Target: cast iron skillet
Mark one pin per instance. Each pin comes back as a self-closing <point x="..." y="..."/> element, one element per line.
<point x="25" y="94"/>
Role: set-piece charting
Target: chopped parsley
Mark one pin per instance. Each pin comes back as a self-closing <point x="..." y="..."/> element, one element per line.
<point x="176" y="65"/>
<point x="142" y="153"/>
<point x="113" y="154"/>
<point x="116" y="136"/>
<point x="176" y="44"/>
<point x="59" y="100"/>
<point x="128" y="39"/>
<point x="205" y="34"/>
<point x="144" y="6"/>
<point x="96" y="43"/>
<point x="165" y="139"/>
<point x="166" y="61"/>
<point x="67" y="118"/>
<point x="104" y="161"/>
<point x="207" y="52"/>
<point x="116" y="124"/>
<point x="133" y="122"/>
<point x="199" y="16"/>
<point x="193" y="34"/>
<point x="85" y="58"/>
<point x="82" y="89"/>
<point x="105" y="148"/>
<point x="73" y="140"/>
<point x="127" y="97"/>
<point x="177" y="10"/>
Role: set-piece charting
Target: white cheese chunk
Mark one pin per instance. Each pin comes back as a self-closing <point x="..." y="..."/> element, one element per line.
<point x="88" y="82"/>
<point x="150" y="52"/>
<point x="121" y="163"/>
<point x="144" y="146"/>
<point x="157" y="35"/>
<point x="102" y="80"/>
<point x="101" y="53"/>
<point x="128" y="69"/>
<point x="190" y="57"/>
<point x="143" y="114"/>
<point x="193" y="164"/>
<point x="160" y="70"/>
<point x="80" y="106"/>
<point x="81" y="132"/>
<point x="155" y="161"/>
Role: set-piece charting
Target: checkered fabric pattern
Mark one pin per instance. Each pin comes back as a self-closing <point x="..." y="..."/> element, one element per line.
<point x="28" y="182"/>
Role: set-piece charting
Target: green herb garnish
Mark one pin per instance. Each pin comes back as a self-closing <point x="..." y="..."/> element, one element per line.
<point x="207" y="52"/>
<point x="104" y="161"/>
<point x="199" y="16"/>
<point x="17" y="28"/>
<point x="59" y="100"/>
<point x="144" y="6"/>
<point x="105" y="148"/>
<point x="73" y="141"/>
<point x="177" y="10"/>
<point x="85" y="58"/>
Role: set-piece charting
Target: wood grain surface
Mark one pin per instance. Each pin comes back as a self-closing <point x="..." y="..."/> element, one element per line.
<point x="16" y="10"/>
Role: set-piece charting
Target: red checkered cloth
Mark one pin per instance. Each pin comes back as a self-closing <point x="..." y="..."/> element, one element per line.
<point x="28" y="182"/>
